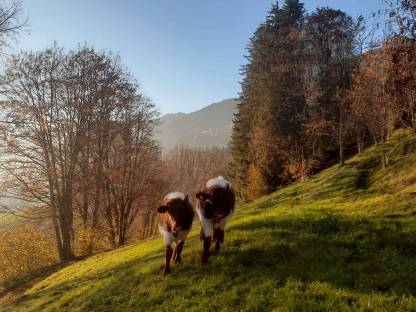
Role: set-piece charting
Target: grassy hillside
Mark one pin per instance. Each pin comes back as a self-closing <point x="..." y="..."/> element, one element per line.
<point x="343" y="241"/>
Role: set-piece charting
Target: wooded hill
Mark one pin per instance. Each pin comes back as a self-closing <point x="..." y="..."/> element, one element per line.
<point x="208" y="127"/>
<point x="319" y="86"/>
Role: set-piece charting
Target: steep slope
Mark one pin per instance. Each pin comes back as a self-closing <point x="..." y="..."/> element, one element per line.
<point x="210" y="126"/>
<point x="343" y="241"/>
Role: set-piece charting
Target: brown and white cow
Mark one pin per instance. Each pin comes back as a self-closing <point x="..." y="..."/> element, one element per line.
<point x="215" y="205"/>
<point x="176" y="216"/>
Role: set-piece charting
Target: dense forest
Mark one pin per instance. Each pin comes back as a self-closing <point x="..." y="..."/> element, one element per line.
<point x="318" y="87"/>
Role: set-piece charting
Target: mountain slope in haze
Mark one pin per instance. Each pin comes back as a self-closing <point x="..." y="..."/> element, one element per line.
<point x="209" y="126"/>
<point x="345" y="240"/>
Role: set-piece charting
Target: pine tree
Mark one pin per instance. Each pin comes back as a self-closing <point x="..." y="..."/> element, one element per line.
<point x="330" y="37"/>
<point x="248" y="102"/>
<point x="294" y="110"/>
<point x="271" y="100"/>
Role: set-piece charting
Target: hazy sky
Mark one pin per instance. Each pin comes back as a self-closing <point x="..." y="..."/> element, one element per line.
<point x="186" y="54"/>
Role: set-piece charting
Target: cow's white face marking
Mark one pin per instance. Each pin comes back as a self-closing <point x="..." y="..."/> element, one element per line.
<point x="219" y="181"/>
<point x="175" y="195"/>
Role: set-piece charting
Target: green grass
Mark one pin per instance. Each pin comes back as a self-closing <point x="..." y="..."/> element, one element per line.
<point x="343" y="241"/>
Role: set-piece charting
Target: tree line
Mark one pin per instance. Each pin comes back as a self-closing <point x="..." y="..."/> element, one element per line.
<point x="317" y="85"/>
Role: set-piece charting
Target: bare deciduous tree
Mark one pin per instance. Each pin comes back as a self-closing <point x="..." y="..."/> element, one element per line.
<point x="190" y="168"/>
<point x="11" y="22"/>
<point x="71" y="119"/>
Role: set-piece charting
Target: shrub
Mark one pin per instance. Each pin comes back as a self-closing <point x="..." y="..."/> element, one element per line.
<point x="23" y="250"/>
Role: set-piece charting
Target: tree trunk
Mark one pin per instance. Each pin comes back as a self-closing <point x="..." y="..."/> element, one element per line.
<point x="304" y="174"/>
<point x="385" y="158"/>
<point x="66" y="254"/>
<point x="360" y="147"/>
<point x="57" y="236"/>
<point x="122" y="235"/>
<point x="123" y="225"/>
<point x="341" y="149"/>
<point x="98" y="188"/>
<point x="85" y="182"/>
<point x="384" y="148"/>
<point x="360" y="143"/>
<point x="66" y="250"/>
<point x="66" y="229"/>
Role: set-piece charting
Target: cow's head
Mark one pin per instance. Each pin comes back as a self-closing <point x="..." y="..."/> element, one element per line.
<point x="214" y="201"/>
<point x="203" y="196"/>
<point x="214" y="195"/>
<point x="177" y="213"/>
<point x="205" y="203"/>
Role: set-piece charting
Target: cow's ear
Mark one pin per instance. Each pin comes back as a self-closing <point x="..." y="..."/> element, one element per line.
<point x="202" y="196"/>
<point x="162" y="209"/>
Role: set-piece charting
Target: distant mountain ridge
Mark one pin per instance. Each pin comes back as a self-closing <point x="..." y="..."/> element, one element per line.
<point x="207" y="127"/>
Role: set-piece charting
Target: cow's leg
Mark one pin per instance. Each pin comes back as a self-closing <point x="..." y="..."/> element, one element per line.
<point x="178" y="249"/>
<point x="219" y="232"/>
<point x="168" y="257"/>
<point x="215" y="238"/>
<point x="207" y="232"/>
<point x="175" y="250"/>
<point x="169" y="240"/>
<point x="201" y="235"/>
<point x="207" y="246"/>
<point x="219" y="236"/>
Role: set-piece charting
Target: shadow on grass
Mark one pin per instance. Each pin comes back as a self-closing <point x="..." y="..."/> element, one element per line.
<point x="125" y="273"/>
<point x="363" y="255"/>
<point x="360" y="254"/>
<point x="16" y="287"/>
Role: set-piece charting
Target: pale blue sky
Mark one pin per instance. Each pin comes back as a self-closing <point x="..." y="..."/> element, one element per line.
<point x="186" y="54"/>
